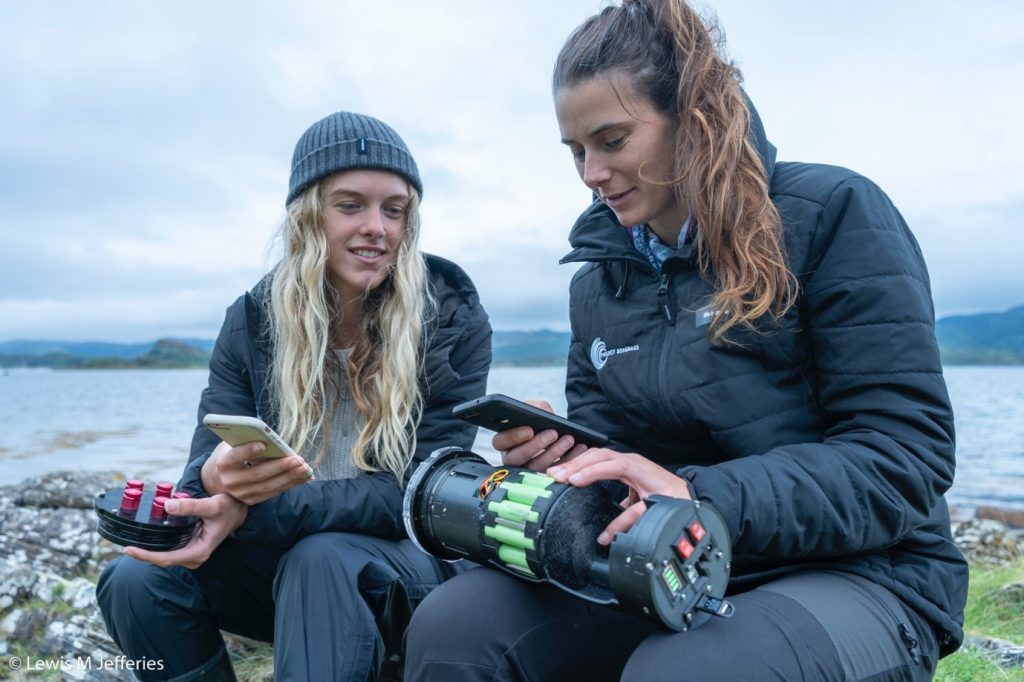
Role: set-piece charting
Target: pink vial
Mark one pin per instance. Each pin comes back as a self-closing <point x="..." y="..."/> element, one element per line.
<point x="134" y="483"/>
<point x="181" y="495"/>
<point x="157" y="511"/>
<point x="130" y="500"/>
<point x="163" y="488"/>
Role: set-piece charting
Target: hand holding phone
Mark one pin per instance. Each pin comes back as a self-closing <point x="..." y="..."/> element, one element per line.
<point x="248" y="476"/>
<point x="504" y="414"/>
<point x="238" y="430"/>
<point x="499" y="412"/>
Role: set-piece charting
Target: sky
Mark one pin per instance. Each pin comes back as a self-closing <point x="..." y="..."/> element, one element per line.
<point x="145" y="147"/>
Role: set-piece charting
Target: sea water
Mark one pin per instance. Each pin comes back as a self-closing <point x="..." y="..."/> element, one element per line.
<point x="140" y="422"/>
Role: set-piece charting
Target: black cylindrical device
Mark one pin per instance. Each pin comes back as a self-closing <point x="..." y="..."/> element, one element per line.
<point x="672" y="566"/>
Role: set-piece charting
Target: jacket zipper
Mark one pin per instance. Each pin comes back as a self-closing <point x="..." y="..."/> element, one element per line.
<point x="910" y="642"/>
<point x="665" y="300"/>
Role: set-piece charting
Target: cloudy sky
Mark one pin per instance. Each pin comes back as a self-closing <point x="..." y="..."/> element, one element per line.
<point x="144" y="147"/>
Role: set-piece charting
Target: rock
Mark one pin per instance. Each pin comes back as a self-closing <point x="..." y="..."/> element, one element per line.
<point x="47" y="526"/>
<point x="1005" y="654"/>
<point x="1013" y="593"/>
<point x="29" y="624"/>
<point x="65" y="489"/>
<point x="1014" y="518"/>
<point x="50" y="557"/>
<point x="987" y="541"/>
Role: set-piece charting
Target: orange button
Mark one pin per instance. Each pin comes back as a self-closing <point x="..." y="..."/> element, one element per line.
<point x="684" y="548"/>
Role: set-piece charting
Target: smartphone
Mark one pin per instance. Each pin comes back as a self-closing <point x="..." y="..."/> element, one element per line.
<point x="238" y="430"/>
<point x="498" y="412"/>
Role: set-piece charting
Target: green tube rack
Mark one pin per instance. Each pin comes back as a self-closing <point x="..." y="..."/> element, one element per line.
<point x="514" y="512"/>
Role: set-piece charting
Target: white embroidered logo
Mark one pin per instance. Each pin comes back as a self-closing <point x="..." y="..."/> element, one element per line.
<point x="599" y="352"/>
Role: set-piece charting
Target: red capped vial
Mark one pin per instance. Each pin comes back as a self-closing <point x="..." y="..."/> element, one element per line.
<point x="180" y="495"/>
<point x="157" y="512"/>
<point x="130" y="501"/>
<point x="163" y="489"/>
<point x="134" y="483"/>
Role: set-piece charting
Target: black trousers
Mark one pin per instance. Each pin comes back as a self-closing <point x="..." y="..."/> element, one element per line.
<point x="332" y="605"/>
<point x="486" y="625"/>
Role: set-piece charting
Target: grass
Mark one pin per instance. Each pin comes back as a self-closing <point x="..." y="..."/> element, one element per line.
<point x="991" y="612"/>
<point x="253" y="661"/>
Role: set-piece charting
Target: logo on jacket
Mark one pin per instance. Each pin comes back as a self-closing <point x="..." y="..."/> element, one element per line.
<point x="705" y="315"/>
<point x="599" y="352"/>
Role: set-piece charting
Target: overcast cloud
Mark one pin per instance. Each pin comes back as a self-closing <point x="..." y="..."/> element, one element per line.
<point x="144" y="147"/>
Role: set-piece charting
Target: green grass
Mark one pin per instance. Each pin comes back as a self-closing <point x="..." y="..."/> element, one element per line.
<point x="972" y="666"/>
<point x="253" y="661"/>
<point x="990" y="612"/>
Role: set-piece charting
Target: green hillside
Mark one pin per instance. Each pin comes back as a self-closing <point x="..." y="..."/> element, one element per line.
<point x="982" y="339"/>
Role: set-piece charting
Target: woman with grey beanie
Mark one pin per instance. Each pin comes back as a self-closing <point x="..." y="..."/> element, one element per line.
<point x="354" y="348"/>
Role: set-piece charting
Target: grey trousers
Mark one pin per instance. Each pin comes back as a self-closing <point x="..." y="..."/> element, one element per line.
<point x="486" y="625"/>
<point x="332" y="605"/>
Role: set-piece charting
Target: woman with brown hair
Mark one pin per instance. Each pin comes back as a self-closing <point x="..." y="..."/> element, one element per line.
<point x="761" y="335"/>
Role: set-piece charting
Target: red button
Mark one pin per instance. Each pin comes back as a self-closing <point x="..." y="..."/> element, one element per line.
<point x="696" y="531"/>
<point x="684" y="548"/>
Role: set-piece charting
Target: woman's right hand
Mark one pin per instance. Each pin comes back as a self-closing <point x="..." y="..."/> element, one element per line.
<point x="243" y="474"/>
<point x="220" y="515"/>
<point x="521" y="447"/>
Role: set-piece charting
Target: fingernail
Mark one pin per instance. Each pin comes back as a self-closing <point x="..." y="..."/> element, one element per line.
<point x="557" y="473"/>
<point x="575" y="478"/>
<point x="603" y="538"/>
<point x="524" y="432"/>
<point x="172" y="506"/>
<point x="549" y="437"/>
<point x="309" y="471"/>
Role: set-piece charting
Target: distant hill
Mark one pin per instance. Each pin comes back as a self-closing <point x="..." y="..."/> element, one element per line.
<point x="982" y="339"/>
<point x="162" y="354"/>
<point x="165" y="354"/>
<point x="986" y="338"/>
<point x="84" y="349"/>
<point x="90" y="349"/>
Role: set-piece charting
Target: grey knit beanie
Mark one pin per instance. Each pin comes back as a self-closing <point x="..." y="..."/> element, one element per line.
<point x="344" y="141"/>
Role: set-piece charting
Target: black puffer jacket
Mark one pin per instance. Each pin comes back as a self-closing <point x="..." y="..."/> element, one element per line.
<point x="454" y="370"/>
<point x="825" y="441"/>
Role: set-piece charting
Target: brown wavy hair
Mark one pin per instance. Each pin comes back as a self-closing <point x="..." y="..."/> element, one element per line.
<point x="667" y="53"/>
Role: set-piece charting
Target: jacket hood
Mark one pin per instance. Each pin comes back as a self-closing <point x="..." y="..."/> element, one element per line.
<point x="597" y="233"/>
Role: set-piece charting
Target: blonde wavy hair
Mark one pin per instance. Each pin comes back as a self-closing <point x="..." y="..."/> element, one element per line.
<point x="383" y="367"/>
<point x="670" y="55"/>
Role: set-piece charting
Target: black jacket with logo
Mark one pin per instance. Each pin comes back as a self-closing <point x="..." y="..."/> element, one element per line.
<point x="453" y="369"/>
<point x="826" y="440"/>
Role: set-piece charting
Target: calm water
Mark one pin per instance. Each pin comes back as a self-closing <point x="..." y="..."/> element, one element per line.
<point x="141" y="421"/>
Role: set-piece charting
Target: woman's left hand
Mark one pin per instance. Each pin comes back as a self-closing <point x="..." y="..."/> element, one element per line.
<point x="220" y="515"/>
<point x="644" y="478"/>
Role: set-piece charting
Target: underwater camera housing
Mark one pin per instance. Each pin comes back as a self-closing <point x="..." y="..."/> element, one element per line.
<point x="134" y="515"/>
<point x="672" y="566"/>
